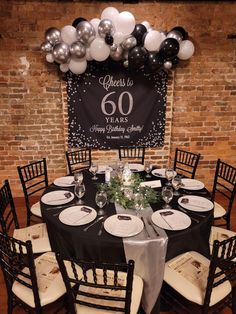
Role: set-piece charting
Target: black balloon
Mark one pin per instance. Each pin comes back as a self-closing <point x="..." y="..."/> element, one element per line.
<point x="169" y="48"/>
<point x="137" y="57"/>
<point x="109" y="39"/>
<point x="174" y="61"/>
<point x="139" y="32"/>
<point x="182" y="31"/>
<point x="77" y="21"/>
<point x="154" y="62"/>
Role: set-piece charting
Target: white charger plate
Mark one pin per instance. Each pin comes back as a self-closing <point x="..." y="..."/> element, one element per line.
<point x="136" y="167"/>
<point x="64" y="181"/>
<point x="74" y="216"/>
<point x="123" y="228"/>
<point x="102" y="169"/>
<point x="161" y="173"/>
<point x="175" y="221"/>
<point x="192" y="184"/>
<point x="57" y="197"/>
<point x="196" y="203"/>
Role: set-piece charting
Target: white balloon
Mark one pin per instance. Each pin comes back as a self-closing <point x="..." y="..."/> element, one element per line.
<point x="163" y="36"/>
<point x="49" y="58"/>
<point x="88" y="55"/>
<point x="64" y="67"/>
<point x="95" y="22"/>
<point x="146" y="24"/>
<point x="118" y="37"/>
<point x="68" y="34"/>
<point x="99" y="50"/>
<point x="125" y="23"/>
<point x="110" y="13"/>
<point x="153" y="41"/>
<point x="77" y="66"/>
<point x="186" y="50"/>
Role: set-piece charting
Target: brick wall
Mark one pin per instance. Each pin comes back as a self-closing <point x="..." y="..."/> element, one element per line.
<point x="201" y="106"/>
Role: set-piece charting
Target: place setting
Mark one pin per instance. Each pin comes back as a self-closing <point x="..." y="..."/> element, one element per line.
<point x="135" y="167"/>
<point x="195" y="203"/>
<point x="58" y="197"/>
<point x="77" y="215"/>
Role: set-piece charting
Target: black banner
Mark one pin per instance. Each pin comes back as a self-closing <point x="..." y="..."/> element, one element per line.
<point x="110" y="106"/>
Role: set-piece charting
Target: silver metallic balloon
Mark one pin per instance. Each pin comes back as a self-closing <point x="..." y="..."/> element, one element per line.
<point x="78" y="50"/>
<point x="176" y="35"/>
<point x="86" y="32"/>
<point x="168" y="65"/>
<point x="126" y="63"/>
<point x="106" y="27"/>
<point x="129" y="43"/>
<point x="113" y="47"/>
<point x="46" y="46"/>
<point x="117" y="54"/>
<point x="53" y="35"/>
<point x="61" y="53"/>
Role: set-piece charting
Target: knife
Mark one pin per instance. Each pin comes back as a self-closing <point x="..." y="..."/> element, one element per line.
<point x="145" y="226"/>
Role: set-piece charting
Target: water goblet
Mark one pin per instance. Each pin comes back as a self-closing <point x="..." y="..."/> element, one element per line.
<point x="138" y="202"/>
<point x="79" y="191"/>
<point x="78" y="177"/>
<point x="101" y="200"/>
<point x="93" y="169"/>
<point x="167" y="195"/>
<point x="176" y="183"/>
<point x="169" y="173"/>
<point x="148" y="169"/>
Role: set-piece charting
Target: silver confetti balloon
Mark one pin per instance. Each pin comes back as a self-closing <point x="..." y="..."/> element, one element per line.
<point x="85" y="32"/>
<point x="168" y="65"/>
<point x="78" y="50"/>
<point x="46" y="46"/>
<point x="53" y="35"/>
<point x="117" y="54"/>
<point x="61" y="53"/>
<point x="106" y="27"/>
<point x="176" y="35"/>
<point x="129" y="43"/>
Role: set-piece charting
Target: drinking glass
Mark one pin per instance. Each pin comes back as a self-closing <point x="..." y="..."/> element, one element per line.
<point x="148" y="169"/>
<point x="176" y="183"/>
<point x="167" y="195"/>
<point x="78" y="177"/>
<point x="93" y="170"/>
<point x="169" y="175"/>
<point x="138" y="202"/>
<point x="79" y="191"/>
<point x="101" y="200"/>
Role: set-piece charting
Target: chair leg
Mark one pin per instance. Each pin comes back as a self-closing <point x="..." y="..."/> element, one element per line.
<point x="234" y="300"/>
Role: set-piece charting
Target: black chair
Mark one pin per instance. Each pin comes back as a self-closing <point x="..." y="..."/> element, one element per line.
<point x="33" y="178"/>
<point x="225" y="185"/>
<point x="78" y="159"/>
<point x="25" y="277"/>
<point x="186" y="163"/>
<point x="9" y="223"/>
<point x="195" y="284"/>
<point x="132" y="153"/>
<point x="101" y="287"/>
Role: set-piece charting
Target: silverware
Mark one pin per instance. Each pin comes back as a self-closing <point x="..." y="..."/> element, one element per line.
<point x="190" y="213"/>
<point x="93" y="223"/>
<point x="145" y="227"/>
<point x="101" y="229"/>
<point x="150" y="224"/>
<point x="162" y="216"/>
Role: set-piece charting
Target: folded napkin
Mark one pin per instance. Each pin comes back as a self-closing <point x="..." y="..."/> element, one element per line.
<point x="152" y="184"/>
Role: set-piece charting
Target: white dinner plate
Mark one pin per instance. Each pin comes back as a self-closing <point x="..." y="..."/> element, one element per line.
<point x="171" y="219"/>
<point x="136" y="167"/>
<point x="77" y="215"/>
<point x="123" y="225"/>
<point x="57" y="197"/>
<point x="195" y="203"/>
<point x="192" y="184"/>
<point x="102" y="169"/>
<point x="161" y="173"/>
<point x="65" y="181"/>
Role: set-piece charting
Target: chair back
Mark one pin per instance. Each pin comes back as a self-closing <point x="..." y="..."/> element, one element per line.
<point x="18" y="267"/>
<point x="103" y="286"/>
<point x="132" y="153"/>
<point x="78" y="159"/>
<point x="186" y="163"/>
<point x="33" y="178"/>
<point x="222" y="268"/>
<point x="8" y="217"/>
<point x="225" y="184"/>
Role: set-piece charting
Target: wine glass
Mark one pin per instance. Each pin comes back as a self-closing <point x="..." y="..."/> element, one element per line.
<point x="169" y="173"/>
<point x="101" y="200"/>
<point x="167" y="195"/>
<point x="79" y="191"/>
<point x="93" y="170"/>
<point x="176" y="183"/>
<point x="138" y="202"/>
<point x="148" y="169"/>
<point x="78" y="177"/>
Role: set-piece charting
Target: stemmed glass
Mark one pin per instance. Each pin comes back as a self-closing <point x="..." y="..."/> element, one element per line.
<point x="78" y="177"/>
<point x="101" y="200"/>
<point x="167" y="195"/>
<point x="93" y="170"/>
<point x="79" y="191"/>
<point x="169" y="175"/>
<point x="138" y="202"/>
<point x="148" y="169"/>
<point x="176" y="183"/>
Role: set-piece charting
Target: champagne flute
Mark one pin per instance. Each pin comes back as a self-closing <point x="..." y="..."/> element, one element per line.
<point x="176" y="183"/>
<point x="78" y="177"/>
<point x="148" y="169"/>
<point x="167" y="195"/>
<point x="169" y="173"/>
<point x="138" y="202"/>
<point x="93" y="170"/>
<point x="79" y="191"/>
<point x="101" y="200"/>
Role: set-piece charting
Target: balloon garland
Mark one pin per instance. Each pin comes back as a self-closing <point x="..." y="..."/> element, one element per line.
<point x="116" y="35"/>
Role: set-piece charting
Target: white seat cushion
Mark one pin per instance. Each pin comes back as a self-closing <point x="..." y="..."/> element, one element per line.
<point x="37" y="234"/>
<point x="36" y="210"/>
<point x="219" y="234"/>
<point x="181" y="273"/>
<point x="50" y="282"/>
<point x="135" y="301"/>
<point x="219" y="211"/>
